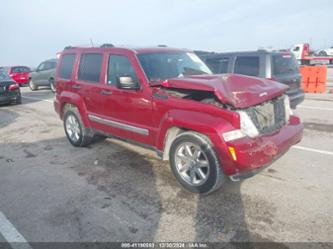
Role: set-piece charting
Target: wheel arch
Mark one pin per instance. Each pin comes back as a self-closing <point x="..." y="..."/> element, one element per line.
<point x="71" y="99"/>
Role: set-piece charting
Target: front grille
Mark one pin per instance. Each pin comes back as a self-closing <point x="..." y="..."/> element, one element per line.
<point x="269" y="116"/>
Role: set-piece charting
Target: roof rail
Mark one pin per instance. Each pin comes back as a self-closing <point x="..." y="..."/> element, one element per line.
<point x="68" y="47"/>
<point x="107" y="45"/>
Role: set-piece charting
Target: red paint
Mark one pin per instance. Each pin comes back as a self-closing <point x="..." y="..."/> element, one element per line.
<point x="227" y="88"/>
<point x="20" y="74"/>
<point x="151" y="108"/>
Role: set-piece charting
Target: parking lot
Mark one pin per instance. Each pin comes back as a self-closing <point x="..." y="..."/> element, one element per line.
<point x="113" y="191"/>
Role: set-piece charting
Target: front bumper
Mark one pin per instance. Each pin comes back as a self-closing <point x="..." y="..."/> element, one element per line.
<point x="255" y="154"/>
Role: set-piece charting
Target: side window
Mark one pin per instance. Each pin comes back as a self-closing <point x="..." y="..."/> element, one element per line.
<point x="66" y="66"/>
<point x="50" y="65"/>
<point x="247" y="65"/>
<point x="119" y="65"/>
<point x="41" y="67"/>
<point x="218" y="65"/>
<point x="90" y="67"/>
<point x="47" y="66"/>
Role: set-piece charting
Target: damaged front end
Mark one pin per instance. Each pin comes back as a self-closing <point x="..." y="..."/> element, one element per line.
<point x="265" y="118"/>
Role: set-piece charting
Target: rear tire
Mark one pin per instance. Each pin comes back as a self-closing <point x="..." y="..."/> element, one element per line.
<point x="18" y="100"/>
<point x="52" y="86"/>
<point x="77" y="134"/>
<point x="32" y="85"/>
<point x="195" y="164"/>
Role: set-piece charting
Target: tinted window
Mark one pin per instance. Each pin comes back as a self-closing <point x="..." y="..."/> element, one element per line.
<point x="66" y="66"/>
<point x="49" y="65"/>
<point x="90" y="67"/>
<point x="20" y="69"/>
<point x="284" y="64"/>
<point x="119" y="66"/>
<point x="218" y="65"/>
<point x="247" y="65"/>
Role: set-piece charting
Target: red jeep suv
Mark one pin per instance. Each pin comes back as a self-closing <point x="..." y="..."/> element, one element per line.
<point x="208" y="126"/>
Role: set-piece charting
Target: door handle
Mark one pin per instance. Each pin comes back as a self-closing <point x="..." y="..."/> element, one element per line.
<point x="106" y="92"/>
<point x="76" y="86"/>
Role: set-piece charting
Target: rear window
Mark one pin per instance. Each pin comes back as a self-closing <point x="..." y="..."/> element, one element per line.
<point x="218" y="65"/>
<point x="90" y="67"/>
<point x="284" y="64"/>
<point x="66" y="66"/>
<point x="247" y="65"/>
<point x="20" y="70"/>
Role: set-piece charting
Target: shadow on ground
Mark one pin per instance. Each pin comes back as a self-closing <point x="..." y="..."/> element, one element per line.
<point x="134" y="197"/>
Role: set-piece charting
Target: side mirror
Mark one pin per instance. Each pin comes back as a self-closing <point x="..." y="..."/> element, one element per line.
<point x="127" y="82"/>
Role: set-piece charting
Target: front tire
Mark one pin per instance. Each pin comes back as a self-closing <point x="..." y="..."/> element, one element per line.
<point x="32" y="85"/>
<point x="195" y="164"/>
<point x="77" y="134"/>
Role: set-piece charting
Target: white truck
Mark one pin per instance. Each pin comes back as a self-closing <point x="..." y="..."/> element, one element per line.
<point x="302" y="54"/>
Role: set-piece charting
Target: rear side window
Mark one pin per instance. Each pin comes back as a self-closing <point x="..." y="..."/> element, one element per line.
<point x="247" y="65"/>
<point x="90" y="67"/>
<point x="218" y="65"/>
<point x="284" y="64"/>
<point x="120" y="66"/>
<point x="66" y="66"/>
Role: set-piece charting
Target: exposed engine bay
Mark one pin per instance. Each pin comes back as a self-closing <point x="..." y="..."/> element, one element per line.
<point x="266" y="117"/>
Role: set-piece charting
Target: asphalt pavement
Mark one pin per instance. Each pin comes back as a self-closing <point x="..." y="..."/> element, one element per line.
<point x="113" y="191"/>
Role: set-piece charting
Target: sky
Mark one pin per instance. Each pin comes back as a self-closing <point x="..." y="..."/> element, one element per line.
<point x="35" y="30"/>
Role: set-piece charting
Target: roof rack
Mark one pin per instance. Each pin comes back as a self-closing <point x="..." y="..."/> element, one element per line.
<point x="68" y="47"/>
<point x="107" y="45"/>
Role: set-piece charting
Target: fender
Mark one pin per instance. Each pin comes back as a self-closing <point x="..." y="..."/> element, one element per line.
<point x="204" y="123"/>
<point x="74" y="99"/>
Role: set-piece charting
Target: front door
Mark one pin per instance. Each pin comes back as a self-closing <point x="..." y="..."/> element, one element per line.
<point x="124" y="113"/>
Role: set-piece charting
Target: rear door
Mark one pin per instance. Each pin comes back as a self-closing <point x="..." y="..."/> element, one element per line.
<point x="89" y="77"/>
<point x="49" y="67"/>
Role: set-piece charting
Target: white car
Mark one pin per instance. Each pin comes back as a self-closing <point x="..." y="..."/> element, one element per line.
<point x="326" y="52"/>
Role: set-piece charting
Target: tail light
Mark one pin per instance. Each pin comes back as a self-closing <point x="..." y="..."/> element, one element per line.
<point x="13" y="87"/>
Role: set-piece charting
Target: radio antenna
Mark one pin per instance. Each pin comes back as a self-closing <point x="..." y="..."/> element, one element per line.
<point x="91" y="42"/>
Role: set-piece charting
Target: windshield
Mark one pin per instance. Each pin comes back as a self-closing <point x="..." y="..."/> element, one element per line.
<point x="284" y="64"/>
<point x="4" y="76"/>
<point x="20" y="70"/>
<point x="161" y="66"/>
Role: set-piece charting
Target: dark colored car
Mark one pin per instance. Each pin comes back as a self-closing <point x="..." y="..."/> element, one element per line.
<point x="43" y="75"/>
<point x="20" y="74"/>
<point x="208" y="126"/>
<point x="276" y="65"/>
<point x="9" y="90"/>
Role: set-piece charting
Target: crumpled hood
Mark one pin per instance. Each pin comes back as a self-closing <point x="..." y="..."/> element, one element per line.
<point x="237" y="90"/>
